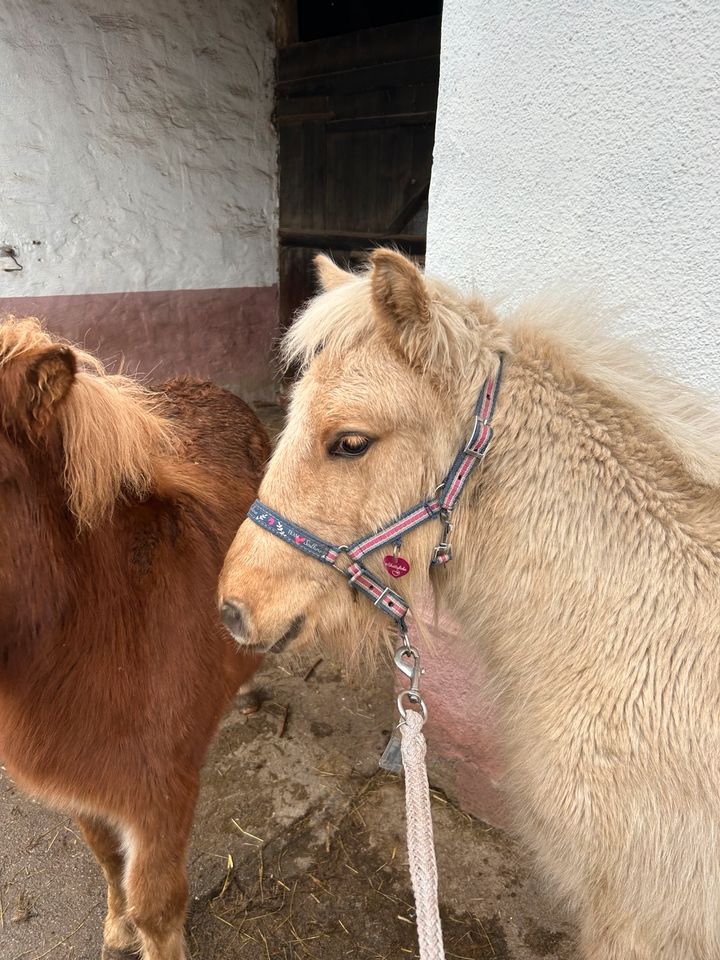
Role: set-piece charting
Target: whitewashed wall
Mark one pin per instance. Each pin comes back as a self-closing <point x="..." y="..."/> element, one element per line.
<point x="580" y="143"/>
<point x="136" y="145"/>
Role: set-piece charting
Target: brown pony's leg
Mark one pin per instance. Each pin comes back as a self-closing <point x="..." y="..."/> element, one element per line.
<point x="156" y="884"/>
<point x="120" y="938"/>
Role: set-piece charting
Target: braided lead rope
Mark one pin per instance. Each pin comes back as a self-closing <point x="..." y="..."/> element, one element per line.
<point x="421" y="847"/>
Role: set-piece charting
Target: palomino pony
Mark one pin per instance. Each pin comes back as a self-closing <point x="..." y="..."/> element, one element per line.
<point x="586" y="571"/>
<point x="117" y="505"/>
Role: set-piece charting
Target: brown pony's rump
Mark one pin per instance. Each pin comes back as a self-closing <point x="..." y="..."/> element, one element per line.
<point x="117" y="504"/>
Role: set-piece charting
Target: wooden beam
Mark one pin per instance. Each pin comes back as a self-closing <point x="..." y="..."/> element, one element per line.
<point x="410" y="209"/>
<point x="381" y="123"/>
<point x="398" y="41"/>
<point x="410" y="100"/>
<point x="351" y="240"/>
<point x="402" y="73"/>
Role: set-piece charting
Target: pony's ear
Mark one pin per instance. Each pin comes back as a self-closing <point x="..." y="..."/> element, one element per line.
<point x="329" y="274"/>
<point x="402" y="302"/>
<point x="398" y="289"/>
<point x="48" y="378"/>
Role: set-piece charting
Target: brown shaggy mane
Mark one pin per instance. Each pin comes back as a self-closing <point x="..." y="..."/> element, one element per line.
<point x="114" y="431"/>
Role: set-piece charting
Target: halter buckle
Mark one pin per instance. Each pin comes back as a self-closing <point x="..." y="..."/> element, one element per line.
<point x="479" y="454"/>
<point x="442" y="553"/>
<point x="382" y="596"/>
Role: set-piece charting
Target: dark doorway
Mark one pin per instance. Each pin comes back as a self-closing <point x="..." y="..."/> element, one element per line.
<point x="356" y="98"/>
<point x="328" y="18"/>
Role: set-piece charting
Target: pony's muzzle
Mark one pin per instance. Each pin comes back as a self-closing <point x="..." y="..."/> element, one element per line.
<point x="235" y="618"/>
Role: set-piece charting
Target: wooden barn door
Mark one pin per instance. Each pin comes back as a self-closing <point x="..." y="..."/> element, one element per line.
<point x="356" y="121"/>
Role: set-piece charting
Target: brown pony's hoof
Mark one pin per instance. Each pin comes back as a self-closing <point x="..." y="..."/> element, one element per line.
<point x="248" y="702"/>
<point x="115" y="953"/>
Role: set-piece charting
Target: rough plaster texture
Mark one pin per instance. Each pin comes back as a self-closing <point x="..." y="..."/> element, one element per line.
<point x="575" y="144"/>
<point x="578" y="143"/>
<point x="136" y="145"/>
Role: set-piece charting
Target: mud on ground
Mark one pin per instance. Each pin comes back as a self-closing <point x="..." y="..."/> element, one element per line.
<point x="298" y="850"/>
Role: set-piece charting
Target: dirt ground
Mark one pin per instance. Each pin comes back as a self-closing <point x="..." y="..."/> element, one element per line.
<point x="298" y="850"/>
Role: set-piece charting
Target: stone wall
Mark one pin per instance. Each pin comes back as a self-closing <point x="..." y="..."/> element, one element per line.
<point x="138" y="180"/>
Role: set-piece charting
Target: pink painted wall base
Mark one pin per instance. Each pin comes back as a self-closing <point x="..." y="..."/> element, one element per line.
<point x="223" y="334"/>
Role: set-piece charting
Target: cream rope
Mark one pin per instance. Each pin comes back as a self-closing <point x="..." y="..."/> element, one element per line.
<point x="421" y="848"/>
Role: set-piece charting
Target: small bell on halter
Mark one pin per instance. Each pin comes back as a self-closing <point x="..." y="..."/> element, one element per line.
<point x="396" y="565"/>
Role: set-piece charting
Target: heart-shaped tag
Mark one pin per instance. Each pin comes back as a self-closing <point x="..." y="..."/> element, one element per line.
<point x="396" y="566"/>
<point x="299" y="539"/>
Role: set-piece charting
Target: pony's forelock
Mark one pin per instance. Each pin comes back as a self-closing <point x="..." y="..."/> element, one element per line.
<point x="335" y="320"/>
<point x="456" y="342"/>
<point x="23" y="336"/>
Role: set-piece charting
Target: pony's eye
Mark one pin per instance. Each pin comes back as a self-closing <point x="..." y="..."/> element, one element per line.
<point x="349" y="445"/>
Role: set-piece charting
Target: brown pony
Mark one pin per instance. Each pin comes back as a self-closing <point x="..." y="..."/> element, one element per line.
<point x="117" y="504"/>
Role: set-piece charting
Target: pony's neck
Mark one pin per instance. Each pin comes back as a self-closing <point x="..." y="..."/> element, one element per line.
<point x="38" y="595"/>
<point x="579" y="493"/>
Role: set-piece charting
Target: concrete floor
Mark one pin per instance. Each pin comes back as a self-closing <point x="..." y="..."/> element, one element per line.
<point x="298" y="850"/>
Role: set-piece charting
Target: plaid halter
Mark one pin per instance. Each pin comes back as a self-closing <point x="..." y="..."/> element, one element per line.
<point x="440" y="507"/>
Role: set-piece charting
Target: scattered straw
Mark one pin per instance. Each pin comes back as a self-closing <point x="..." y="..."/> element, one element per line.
<point x="246" y="833"/>
<point x="228" y="875"/>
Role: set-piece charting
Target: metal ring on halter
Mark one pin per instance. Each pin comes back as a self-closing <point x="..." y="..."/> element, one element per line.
<point x="415" y="699"/>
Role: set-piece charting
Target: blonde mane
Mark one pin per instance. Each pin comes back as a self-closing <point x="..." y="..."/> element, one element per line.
<point x="113" y="429"/>
<point x="688" y="419"/>
<point x="465" y="327"/>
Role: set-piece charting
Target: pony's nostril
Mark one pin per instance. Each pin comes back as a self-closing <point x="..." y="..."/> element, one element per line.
<point x="232" y="615"/>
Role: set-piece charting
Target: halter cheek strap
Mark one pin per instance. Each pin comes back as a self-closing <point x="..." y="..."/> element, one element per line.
<point x="441" y="507"/>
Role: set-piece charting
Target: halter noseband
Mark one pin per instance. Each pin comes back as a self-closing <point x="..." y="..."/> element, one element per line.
<point x="441" y="507"/>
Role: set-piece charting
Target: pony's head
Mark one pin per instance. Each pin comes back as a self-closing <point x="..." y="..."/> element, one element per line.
<point x="391" y="363"/>
<point x="73" y="441"/>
